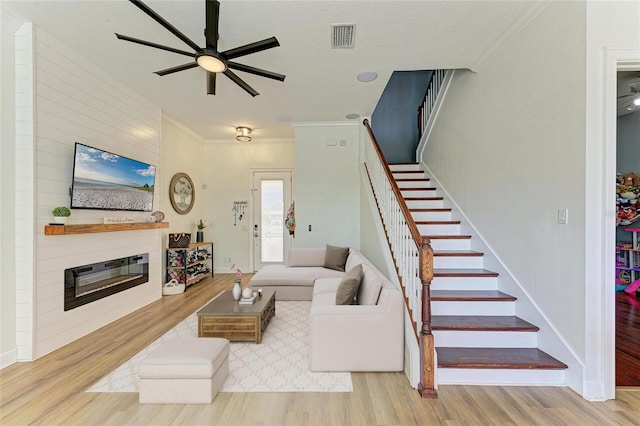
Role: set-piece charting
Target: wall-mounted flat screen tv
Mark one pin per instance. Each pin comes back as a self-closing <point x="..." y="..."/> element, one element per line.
<point x="106" y="181"/>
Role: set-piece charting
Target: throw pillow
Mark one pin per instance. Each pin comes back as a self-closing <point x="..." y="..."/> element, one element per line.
<point x="349" y="286"/>
<point x="336" y="257"/>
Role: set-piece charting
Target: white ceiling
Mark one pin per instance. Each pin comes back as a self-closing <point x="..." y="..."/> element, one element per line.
<point x="321" y="82"/>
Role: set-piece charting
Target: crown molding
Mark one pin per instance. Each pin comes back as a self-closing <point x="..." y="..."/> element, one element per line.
<point x="253" y="141"/>
<point x="326" y="123"/>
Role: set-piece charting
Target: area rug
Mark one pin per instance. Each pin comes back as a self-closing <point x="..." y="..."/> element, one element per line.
<point x="279" y="364"/>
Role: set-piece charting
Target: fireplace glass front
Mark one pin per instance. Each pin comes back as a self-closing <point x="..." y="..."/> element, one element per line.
<point x="87" y="283"/>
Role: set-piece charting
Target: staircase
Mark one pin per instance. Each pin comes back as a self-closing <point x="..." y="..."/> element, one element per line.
<point x="478" y="337"/>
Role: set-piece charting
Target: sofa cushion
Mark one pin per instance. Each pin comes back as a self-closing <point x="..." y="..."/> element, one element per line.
<point x="370" y="287"/>
<point x="326" y="285"/>
<point x="353" y="259"/>
<point x="349" y="286"/>
<point x="306" y="257"/>
<point x="336" y="257"/>
<point x="281" y="275"/>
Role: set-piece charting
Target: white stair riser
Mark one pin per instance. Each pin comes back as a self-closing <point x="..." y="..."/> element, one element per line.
<point x="424" y="204"/>
<point x="418" y="193"/>
<point x="470" y="283"/>
<point x="454" y="262"/>
<point x="402" y="175"/>
<point x="499" y="377"/>
<point x="415" y="184"/>
<point x="485" y="339"/>
<point x="450" y="244"/>
<point x="398" y="167"/>
<point x="473" y="308"/>
<point x="439" y="229"/>
<point x="437" y="215"/>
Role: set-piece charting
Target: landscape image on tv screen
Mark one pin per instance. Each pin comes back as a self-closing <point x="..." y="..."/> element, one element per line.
<point x="106" y="181"/>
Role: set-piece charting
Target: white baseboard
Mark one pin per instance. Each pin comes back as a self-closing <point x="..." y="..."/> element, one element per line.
<point x="8" y="358"/>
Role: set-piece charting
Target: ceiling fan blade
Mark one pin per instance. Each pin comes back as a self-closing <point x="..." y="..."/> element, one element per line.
<point x="177" y="68"/>
<point x="211" y="83"/>
<point x="156" y="45"/>
<point x="240" y="82"/>
<point x="160" y="20"/>
<point x="256" y="71"/>
<point x="250" y="48"/>
<point x="212" y="13"/>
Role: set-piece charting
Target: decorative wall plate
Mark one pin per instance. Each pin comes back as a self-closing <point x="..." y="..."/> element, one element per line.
<point x="182" y="193"/>
<point x="159" y="216"/>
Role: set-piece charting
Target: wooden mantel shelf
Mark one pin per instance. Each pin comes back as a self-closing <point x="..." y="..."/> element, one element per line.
<point x="101" y="227"/>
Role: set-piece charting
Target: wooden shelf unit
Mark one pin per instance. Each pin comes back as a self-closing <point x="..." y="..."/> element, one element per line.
<point x="189" y="265"/>
<point x="89" y="228"/>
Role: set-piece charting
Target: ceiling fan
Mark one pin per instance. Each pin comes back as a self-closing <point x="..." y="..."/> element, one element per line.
<point x="208" y="57"/>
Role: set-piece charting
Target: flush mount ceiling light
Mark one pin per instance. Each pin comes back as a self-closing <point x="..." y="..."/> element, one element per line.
<point x="243" y="134"/>
<point x="211" y="61"/>
<point x="352" y="116"/>
<point x="367" y="76"/>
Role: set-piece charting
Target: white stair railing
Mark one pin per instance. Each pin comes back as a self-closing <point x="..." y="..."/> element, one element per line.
<point x="425" y="110"/>
<point x="412" y="254"/>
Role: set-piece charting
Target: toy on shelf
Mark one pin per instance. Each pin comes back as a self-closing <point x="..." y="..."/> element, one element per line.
<point x="628" y="263"/>
<point x="627" y="196"/>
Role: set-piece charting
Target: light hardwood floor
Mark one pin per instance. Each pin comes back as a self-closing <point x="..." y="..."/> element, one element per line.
<point x="52" y="389"/>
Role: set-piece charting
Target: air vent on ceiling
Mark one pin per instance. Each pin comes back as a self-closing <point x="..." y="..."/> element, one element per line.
<point x="343" y="36"/>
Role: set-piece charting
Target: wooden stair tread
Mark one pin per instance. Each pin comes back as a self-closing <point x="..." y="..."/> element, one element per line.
<point x="437" y="222"/>
<point x="457" y="253"/>
<point x="464" y="272"/>
<point x="413" y="180"/>
<point x="494" y="358"/>
<point x="481" y="323"/>
<point x="471" y="296"/>
<point x="447" y="237"/>
<point x="434" y="209"/>
<point x="423" y="198"/>
<point x="404" y="163"/>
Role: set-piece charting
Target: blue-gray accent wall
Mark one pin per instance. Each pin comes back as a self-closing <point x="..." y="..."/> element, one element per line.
<point x="394" y="120"/>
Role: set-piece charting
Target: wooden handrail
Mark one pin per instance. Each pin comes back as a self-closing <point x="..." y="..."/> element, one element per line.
<point x="413" y="228"/>
<point x="426" y="387"/>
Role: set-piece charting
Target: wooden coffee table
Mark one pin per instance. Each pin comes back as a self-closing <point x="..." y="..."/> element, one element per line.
<point x="225" y="317"/>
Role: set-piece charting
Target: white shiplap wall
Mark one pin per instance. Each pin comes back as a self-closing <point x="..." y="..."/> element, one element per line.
<point x="77" y="102"/>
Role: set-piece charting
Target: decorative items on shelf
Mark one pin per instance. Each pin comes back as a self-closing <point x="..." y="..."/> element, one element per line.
<point x="201" y="224"/>
<point x="179" y="240"/>
<point x="238" y="211"/>
<point x="60" y="214"/>
<point x="188" y="265"/>
<point x="237" y="284"/>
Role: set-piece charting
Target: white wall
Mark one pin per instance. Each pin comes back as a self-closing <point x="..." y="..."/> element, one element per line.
<point x="76" y="102"/>
<point x="327" y="184"/>
<point x="228" y="174"/>
<point x="8" y="349"/>
<point x="628" y="152"/>
<point x="182" y="152"/>
<point x="508" y="146"/>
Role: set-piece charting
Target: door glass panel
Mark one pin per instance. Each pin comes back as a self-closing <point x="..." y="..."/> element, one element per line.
<point x="272" y="201"/>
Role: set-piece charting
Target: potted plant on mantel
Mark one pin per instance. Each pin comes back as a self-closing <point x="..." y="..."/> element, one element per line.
<point x="60" y="215"/>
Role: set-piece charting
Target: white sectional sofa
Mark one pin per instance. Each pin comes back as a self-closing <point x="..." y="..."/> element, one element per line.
<point x="367" y="335"/>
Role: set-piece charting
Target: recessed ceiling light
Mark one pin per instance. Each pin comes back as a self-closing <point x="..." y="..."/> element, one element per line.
<point x="352" y="116"/>
<point x="367" y="76"/>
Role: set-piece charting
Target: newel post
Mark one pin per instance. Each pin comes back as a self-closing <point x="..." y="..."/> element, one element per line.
<point x="426" y="387"/>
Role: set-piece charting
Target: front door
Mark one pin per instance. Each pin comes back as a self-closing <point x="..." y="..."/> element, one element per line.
<point x="271" y="199"/>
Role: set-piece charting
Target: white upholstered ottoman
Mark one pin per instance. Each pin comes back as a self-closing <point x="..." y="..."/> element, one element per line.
<point x="184" y="371"/>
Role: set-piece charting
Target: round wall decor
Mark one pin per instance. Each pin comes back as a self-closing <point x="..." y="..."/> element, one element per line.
<point x="182" y="193"/>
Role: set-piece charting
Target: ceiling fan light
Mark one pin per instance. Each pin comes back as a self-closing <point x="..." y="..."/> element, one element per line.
<point x="243" y="134"/>
<point x="211" y="63"/>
